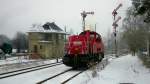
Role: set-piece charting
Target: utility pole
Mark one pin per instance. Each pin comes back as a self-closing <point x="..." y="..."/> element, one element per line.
<point x="95" y="27"/>
<point x="148" y="47"/>
<point x="65" y="34"/>
<point x="115" y="25"/>
<point x="148" y="43"/>
<point x="84" y="14"/>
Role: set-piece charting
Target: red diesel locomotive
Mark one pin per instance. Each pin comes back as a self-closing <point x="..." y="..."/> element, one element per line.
<point x="83" y="49"/>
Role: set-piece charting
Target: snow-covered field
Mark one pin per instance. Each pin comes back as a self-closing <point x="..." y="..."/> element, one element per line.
<point x="13" y="60"/>
<point x="15" y="63"/>
<point x="18" y="59"/>
<point x="125" y="69"/>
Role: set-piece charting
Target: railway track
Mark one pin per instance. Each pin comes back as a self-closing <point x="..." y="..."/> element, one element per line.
<point x="42" y="81"/>
<point x="59" y="74"/>
<point x="26" y="70"/>
<point x="101" y="65"/>
<point x="63" y="77"/>
<point x="72" y="77"/>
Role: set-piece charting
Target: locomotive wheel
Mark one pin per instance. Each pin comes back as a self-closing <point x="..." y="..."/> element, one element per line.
<point x="90" y="63"/>
<point x="101" y="56"/>
<point x="75" y="64"/>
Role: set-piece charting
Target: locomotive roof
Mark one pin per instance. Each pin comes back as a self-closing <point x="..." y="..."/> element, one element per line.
<point x="90" y="32"/>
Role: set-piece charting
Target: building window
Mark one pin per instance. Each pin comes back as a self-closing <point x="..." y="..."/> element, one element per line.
<point x="40" y="46"/>
<point x="35" y="49"/>
<point x="46" y="37"/>
<point x="50" y="36"/>
<point x="57" y="38"/>
<point x="62" y="36"/>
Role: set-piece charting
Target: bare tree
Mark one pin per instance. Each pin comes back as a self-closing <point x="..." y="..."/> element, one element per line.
<point x="135" y="31"/>
<point x="142" y="7"/>
<point x="20" y="42"/>
<point x="4" y="39"/>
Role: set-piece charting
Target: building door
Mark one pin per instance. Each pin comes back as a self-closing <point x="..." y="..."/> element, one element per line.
<point x="35" y="49"/>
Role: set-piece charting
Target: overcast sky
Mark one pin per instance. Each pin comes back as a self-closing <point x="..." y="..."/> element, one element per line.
<point x="19" y="15"/>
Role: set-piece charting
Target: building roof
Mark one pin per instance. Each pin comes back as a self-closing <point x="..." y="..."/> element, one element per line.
<point x="51" y="26"/>
<point x="47" y="28"/>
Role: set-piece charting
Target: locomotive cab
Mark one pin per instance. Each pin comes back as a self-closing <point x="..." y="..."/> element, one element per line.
<point x="83" y="48"/>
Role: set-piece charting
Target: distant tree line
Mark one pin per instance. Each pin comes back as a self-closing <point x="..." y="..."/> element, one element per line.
<point x="136" y="27"/>
<point x="19" y="42"/>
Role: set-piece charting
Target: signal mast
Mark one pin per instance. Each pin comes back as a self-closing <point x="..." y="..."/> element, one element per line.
<point x="84" y="14"/>
<point x="115" y="25"/>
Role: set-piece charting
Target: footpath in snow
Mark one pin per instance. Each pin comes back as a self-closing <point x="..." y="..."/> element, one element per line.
<point x="123" y="70"/>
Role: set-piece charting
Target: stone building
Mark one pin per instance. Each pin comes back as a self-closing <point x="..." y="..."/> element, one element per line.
<point x="46" y="41"/>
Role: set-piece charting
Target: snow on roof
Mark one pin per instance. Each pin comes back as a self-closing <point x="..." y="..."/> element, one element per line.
<point x="47" y="28"/>
<point x="51" y="26"/>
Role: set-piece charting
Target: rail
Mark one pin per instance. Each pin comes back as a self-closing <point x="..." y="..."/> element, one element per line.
<point x="26" y="70"/>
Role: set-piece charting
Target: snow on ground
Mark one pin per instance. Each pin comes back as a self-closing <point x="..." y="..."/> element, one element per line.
<point x="18" y="59"/>
<point x="12" y="60"/>
<point x="35" y="76"/>
<point x="126" y="69"/>
<point x="15" y="63"/>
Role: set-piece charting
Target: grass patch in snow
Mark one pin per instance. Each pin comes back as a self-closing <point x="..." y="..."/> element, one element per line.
<point x="145" y="59"/>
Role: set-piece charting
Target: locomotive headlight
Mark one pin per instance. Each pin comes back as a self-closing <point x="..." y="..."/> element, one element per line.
<point x="76" y="49"/>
